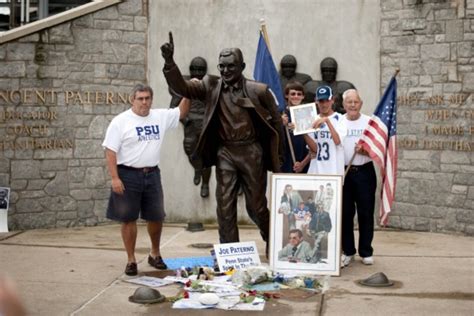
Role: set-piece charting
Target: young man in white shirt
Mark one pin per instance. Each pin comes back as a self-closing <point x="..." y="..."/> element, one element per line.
<point x="360" y="184"/>
<point x="294" y="94"/>
<point x="132" y="151"/>
<point x="327" y="141"/>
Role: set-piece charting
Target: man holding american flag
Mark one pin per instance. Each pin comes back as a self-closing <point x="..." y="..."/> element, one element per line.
<point x="379" y="141"/>
<point x="360" y="183"/>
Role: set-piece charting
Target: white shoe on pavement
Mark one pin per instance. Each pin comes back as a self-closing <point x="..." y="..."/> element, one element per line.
<point x="346" y="260"/>
<point x="368" y="260"/>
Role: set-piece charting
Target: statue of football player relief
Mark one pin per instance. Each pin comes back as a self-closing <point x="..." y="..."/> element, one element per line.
<point x="328" y="73"/>
<point x="193" y="126"/>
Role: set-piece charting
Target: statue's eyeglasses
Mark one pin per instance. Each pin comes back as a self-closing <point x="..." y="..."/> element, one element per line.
<point x="230" y="67"/>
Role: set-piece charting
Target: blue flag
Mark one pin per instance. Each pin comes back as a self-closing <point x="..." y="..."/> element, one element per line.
<point x="266" y="72"/>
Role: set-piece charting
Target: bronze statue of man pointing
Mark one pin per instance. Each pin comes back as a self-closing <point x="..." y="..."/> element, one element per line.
<point x="242" y="136"/>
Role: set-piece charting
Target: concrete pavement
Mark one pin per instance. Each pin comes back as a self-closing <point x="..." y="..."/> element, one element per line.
<point x="79" y="271"/>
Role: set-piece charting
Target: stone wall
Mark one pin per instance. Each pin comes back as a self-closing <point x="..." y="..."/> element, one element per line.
<point x="59" y="89"/>
<point x="431" y="41"/>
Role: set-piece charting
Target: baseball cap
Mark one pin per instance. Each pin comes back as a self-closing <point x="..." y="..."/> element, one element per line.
<point x="323" y="93"/>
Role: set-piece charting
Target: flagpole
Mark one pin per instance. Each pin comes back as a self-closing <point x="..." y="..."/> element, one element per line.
<point x="263" y="29"/>
<point x="350" y="163"/>
<point x="397" y="71"/>
<point x="290" y="143"/>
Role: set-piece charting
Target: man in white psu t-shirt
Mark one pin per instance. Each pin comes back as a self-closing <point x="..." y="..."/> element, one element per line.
<point x="360" y="184"/>
<point x="327" y="141"/>
<point x="132" y="150"/>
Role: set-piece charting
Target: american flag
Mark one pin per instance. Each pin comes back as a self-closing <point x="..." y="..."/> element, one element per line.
<point x="380" y="141"/>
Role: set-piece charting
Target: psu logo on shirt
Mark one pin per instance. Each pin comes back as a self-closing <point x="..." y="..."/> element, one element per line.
<point x="354" y="132"/>
<point x="148" y="132"/>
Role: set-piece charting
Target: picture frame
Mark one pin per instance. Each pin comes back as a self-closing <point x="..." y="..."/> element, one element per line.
<point x="303" y="116"/>
<point x="305" y="229"/>
<point x="4" y="198"/>
<point x="4" y="203"/>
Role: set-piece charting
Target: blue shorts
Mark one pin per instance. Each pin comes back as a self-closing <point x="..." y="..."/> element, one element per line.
<point x="143" y="196"/>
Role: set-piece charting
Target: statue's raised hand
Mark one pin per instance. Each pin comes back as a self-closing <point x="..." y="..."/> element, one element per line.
<point x="167" y="50"/>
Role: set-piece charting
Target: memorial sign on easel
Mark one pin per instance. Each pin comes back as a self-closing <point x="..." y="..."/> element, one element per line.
<point x="4" y="202"/>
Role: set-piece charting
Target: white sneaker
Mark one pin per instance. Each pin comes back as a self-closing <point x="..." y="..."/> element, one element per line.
<point x="368" y="260"/>
<point x="346" y="260"/>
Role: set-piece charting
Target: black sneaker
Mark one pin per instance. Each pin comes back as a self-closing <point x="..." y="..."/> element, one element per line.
<point x="131" y="268"/>
<point x="157" y="262"/>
